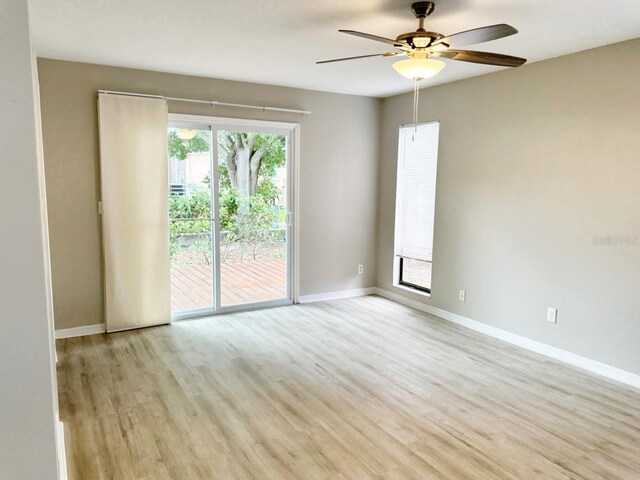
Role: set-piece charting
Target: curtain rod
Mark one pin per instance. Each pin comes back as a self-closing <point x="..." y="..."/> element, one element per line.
<point x="213" y="103"/>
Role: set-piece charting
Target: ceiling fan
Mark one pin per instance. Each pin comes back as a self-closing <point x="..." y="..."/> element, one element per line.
<point x="422" y="46"/>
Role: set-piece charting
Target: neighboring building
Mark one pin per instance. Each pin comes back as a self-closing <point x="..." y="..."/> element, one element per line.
<point x="189" y="174"/>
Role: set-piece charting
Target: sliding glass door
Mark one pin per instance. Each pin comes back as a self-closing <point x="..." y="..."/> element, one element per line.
<point x="231" y="212"/>
<point x="191" y="221"/>
<point x="253" y="206"/>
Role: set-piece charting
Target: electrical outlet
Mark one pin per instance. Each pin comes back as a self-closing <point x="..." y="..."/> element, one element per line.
<point x="360" y="269"/>
<point x="462" y="295"/>
<point x="552" y="315"/>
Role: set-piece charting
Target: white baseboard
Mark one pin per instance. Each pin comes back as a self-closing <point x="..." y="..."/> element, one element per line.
<point x="81" y="331"/>
<point x="588" y="364"/>
<point x="321" y="297"/>
<point x="318" y="297"/>
<point x="556" y="353"/>
<point x="62" y="454"/>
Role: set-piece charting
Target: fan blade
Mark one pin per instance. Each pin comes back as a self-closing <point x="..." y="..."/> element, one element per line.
<point x="360" y="56"/>
<point x="374" y="37"/>
<point x="477" y="35"/>
<point x="482" y="57"/>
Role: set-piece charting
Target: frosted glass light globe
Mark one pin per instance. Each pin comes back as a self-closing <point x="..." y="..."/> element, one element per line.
<point x="418" y="68"/>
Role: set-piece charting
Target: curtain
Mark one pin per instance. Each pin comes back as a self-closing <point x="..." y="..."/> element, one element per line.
<point x="135" y="219"/>
<point x="416" y="190"/>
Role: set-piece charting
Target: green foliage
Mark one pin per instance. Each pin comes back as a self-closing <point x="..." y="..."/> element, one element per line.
<point x="267" y="190"/>
<point x="223" y="174"/>
<point x="255" y="228"/>
<point x="251" y="228"/>
<point x="256" y="224"/>
<point x="273" y="159"/>
<point x="183" y="208"/>
<point x="179" y="148"/>
<point x="228" y="208"/>
<point x="274" y="156"/>
<point x="195" y="205"/>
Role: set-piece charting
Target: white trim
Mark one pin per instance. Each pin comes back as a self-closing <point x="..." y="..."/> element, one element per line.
<point x="231" y="121"/>
<point x="62" y="454"/>
<point x="199" y="313"/>
<point x="556" y="353"/>
<point x="286" y="129"/>
<point x="216" y="238"/>
<point x="321" y="297"/>
<point x="411" y="289"/>
<point x="180" y="315"/>
<point x="81" y="331"/>
<point x="294" y="186"/>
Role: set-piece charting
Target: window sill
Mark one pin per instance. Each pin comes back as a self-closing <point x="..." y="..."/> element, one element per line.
<point x="412" y="290"/>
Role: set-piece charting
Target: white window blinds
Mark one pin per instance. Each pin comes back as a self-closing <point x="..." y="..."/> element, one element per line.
<point x="416" y="190"/>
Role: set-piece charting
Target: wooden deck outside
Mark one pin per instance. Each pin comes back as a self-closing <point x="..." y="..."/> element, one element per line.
<point x="241" y="282"/>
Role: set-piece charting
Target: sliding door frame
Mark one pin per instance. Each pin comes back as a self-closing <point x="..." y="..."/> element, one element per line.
<point x="291" y="131"/>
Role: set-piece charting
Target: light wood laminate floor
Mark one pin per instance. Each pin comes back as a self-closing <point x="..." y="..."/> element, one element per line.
<point x="352" y="389"/>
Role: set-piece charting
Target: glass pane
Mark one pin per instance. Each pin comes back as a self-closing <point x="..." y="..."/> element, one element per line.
<point x="190" y="219"/>
<point x="416" y="272"/>
<point x="253" y="206"/>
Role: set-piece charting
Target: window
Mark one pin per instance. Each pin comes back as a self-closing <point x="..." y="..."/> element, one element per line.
<point x="415" y="205"/>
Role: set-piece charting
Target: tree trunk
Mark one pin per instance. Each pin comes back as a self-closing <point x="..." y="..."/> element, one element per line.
<point x="243" y="164"/>
<point x="243" y="180"/>
<point x="254" y="165"/>
<point x="230" y="162"/>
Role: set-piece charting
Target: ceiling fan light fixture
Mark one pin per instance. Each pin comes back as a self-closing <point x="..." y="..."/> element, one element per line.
<point x="421" y="42"/>
<point x="186" y="133"/>
<point x="418" y="68"/>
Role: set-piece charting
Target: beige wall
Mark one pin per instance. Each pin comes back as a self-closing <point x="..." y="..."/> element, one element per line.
<point x="339" y="154"/>
<point x="534" y="163"/>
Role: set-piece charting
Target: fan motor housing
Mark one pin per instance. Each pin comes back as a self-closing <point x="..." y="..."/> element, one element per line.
<point x="419" y="38"/>
<point x="422" y="9"/>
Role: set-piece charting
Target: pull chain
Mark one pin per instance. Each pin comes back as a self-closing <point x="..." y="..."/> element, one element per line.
<point x="416" y="99"/>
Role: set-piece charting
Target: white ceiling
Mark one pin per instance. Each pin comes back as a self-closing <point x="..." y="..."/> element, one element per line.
<point x="278" y="41"/>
